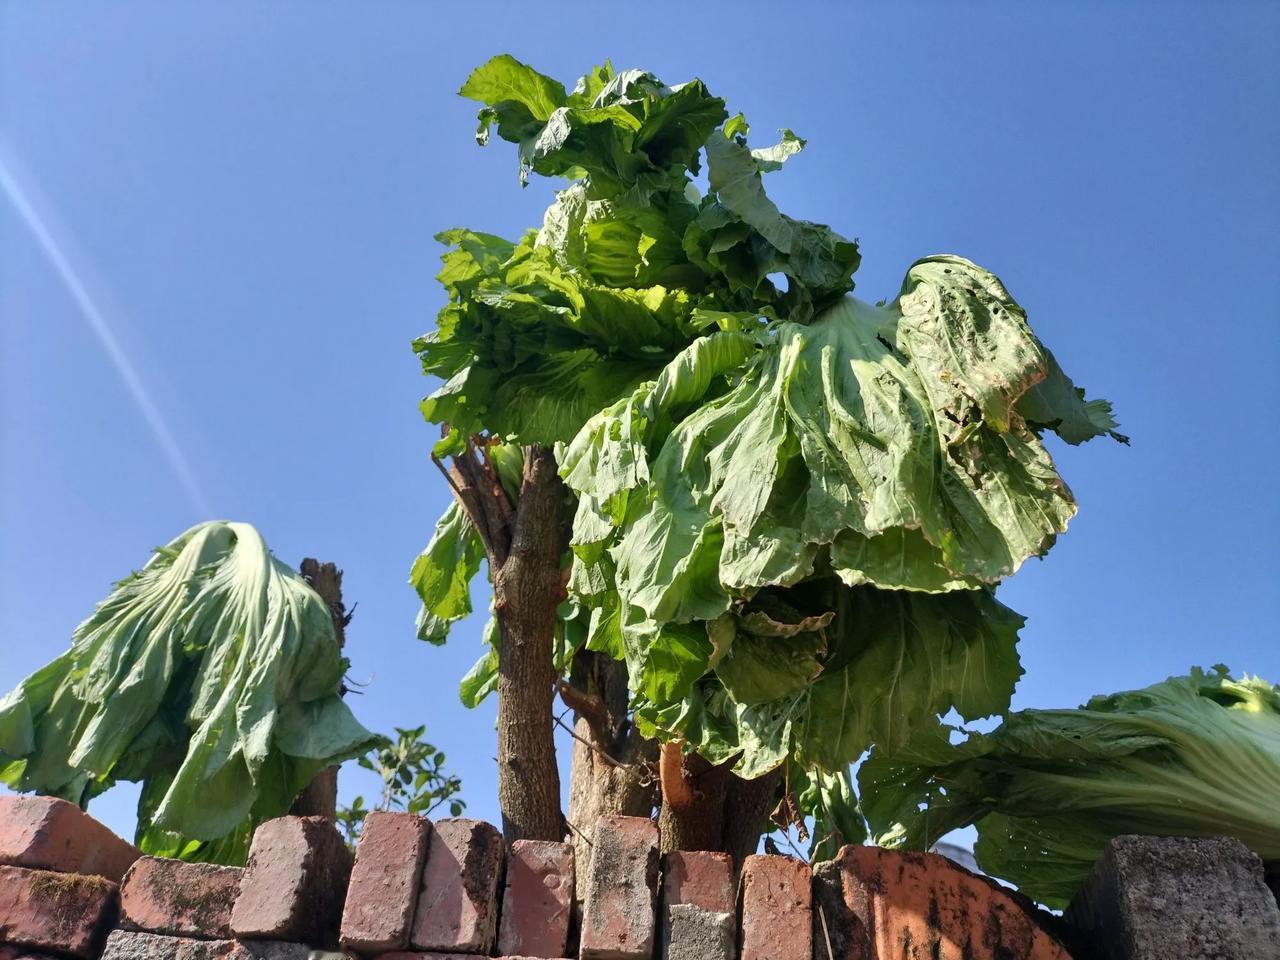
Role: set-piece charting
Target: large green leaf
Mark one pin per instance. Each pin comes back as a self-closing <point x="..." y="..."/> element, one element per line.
<point x="879" y="446"/>
<point x="1196" y="755"/>
<point x="865" y="666"/>
<point x="890" y="439"/>
<point x="211" y="675"/>
<point x="614" y="128"/>
<point x="443" y="572"/>
<point x="530" y="351"/>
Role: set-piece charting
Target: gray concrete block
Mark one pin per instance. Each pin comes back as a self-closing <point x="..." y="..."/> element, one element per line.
<point x="1175" y="898"/>
<point x="692" y="933"/>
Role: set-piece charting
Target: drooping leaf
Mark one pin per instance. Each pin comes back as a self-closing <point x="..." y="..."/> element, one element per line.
<point x="211" y="675"/>
<point x="886" y="665"/>
<point x="443" y="572"/>
<point x="482" y="679"/>
<point x="1196" y="755"/>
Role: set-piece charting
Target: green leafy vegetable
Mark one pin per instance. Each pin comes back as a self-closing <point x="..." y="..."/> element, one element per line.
<point x="885" y="665"/>
<point x="628" y="267"/>
<point x="874" y="447"/>
<point x="1196" y="755"/>
<point x="211" y="675"/>
<point x="793" y="507"/>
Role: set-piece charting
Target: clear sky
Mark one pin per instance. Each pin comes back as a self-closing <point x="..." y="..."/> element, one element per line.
<point x="216" y="244"/>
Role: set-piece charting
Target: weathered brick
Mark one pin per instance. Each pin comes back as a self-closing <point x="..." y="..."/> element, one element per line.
<point x="777" y="909"/>
<point x="179" y="899"/>
<point x="837" y="930"/>
<point x="45" y="833"/>
<point x="701" y="878"/>
<point x="294" y="883"/>
<point x="458" y="907"/>
<point x="698" y="909"/>
<point x="137" y="945"/>
<point x="281" y="950"/>
<point x="618" y="921"/>
<point x="1175" y="897"/>
<point x="61" y="912"/>
<point x="537" y="900"/>
<point x="888" y="902"/>
<point x="384" y="882"/>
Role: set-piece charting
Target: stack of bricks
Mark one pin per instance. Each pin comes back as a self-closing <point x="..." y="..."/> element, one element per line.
<point x="450" y="890"/>
<point x="423" y="890"/>
<point x="60" y="872"/>
<point x="282" y="905"/>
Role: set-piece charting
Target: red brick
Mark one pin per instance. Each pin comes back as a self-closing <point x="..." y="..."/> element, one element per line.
<point x="45" y="833"/>
<point x="458" y="906"/>
<point x="900" y="901"/>
<point x="384" y="882"/>
<point x="179" y="899"/>
<point x="699" y="914"/>
<point x="622" y="885"/>
<point x="537" y="900"/>
<point x="777" y="909"/>
<point x="701" y="878"/>
<point x="294" y="883"/>
<point x="60" y="912"/>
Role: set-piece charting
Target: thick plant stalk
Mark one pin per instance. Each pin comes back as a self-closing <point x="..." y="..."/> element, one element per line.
<point x="693" y="795"/>
<point x="707" y="807"/>
<point x="320" y="797"/>
<point x="523" y="543"/>
<point x="746" y="810"/>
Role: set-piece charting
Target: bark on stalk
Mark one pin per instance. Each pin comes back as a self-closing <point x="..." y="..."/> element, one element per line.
<point x="319" y="798"/>
<point x="693" y="802"/>
<point x="746" y="812"/>
<point x="523" y="543"/>
<point x="706" y="807"/>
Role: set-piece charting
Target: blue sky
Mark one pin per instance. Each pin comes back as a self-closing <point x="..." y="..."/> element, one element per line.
<point x="237" y="204"/>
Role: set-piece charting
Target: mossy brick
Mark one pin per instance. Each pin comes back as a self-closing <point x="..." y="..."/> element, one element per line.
<point x="777" y="908"/>
<point x="63" y="913"/>
<point x="1153" y="898"/>
<point x="618" y="917"/>
<point x="537" y="899"/>
<point x="879" y="904"/>
<point x="699" y="916"/>
<point x="46" y="833"/>
<point x="294" y="883"/>
<point x="179" y="899"/>
<point x="385" y="879"/>
<point x="458" y="904"/>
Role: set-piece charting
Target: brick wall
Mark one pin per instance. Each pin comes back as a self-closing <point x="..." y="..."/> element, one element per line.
<point x="417" y="890"/>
